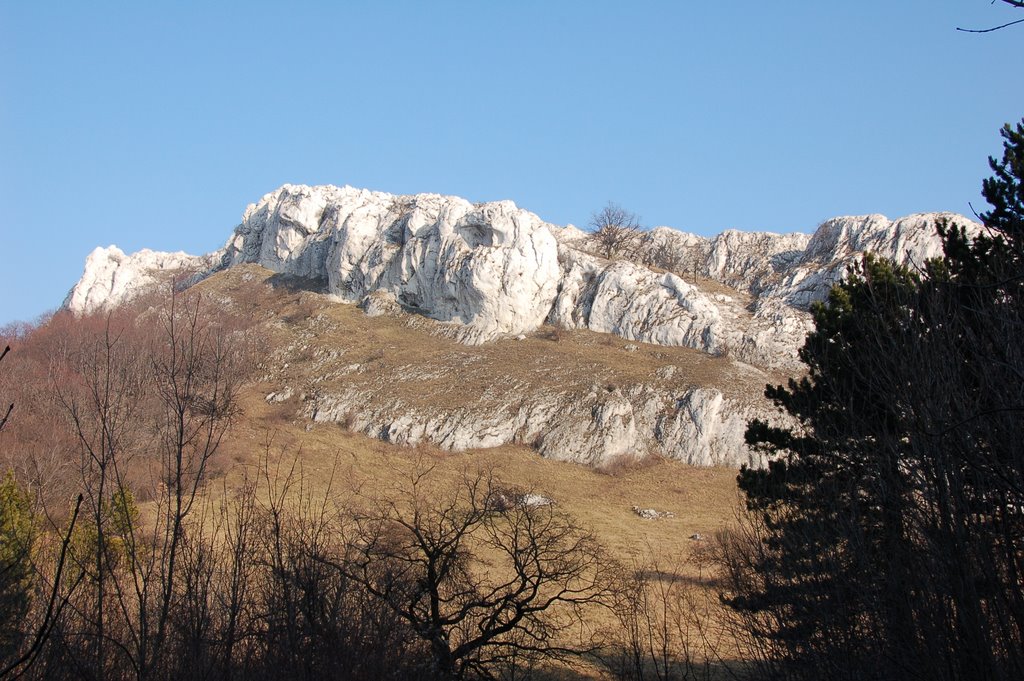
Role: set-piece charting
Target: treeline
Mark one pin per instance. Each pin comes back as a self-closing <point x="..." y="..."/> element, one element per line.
<point x="126" y="554"/>
<point x="114" y="410"/>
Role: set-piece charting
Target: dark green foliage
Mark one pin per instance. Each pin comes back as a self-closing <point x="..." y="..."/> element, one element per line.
<point x="892" y="520"/>
<point x="17" y="537"/>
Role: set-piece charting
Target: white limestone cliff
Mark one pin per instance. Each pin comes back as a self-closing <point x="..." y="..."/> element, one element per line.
<point x="493" y="270"/>
<point x="496" y="270"/>
<point x="598" y="427"/>
<point x="111" y="278"/>
<point x="631" y="301"/>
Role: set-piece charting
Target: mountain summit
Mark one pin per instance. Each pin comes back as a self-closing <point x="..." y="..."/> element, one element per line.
<point x="491" y="271"/>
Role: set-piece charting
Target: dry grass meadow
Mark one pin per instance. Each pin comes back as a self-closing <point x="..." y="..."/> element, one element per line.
<point x="304" y="345"/>
<point x="309" y="336"/>
<point x="309" y="342"/>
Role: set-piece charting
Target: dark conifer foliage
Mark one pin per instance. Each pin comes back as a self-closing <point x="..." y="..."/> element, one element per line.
<point x="889" y="531"/>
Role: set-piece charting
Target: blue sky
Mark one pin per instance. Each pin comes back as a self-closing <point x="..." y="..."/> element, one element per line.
<point x="147" y="124"/>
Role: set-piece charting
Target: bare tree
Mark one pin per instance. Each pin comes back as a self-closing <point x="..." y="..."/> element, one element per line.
<point x="18" y="536"/>
<point x="670" y="624"/>
<point x="102" y="403"/>
<point x="487" y="579"/>
<point x="658" y="251"/>
<point x="196" y="373"/>
<point x="615" y="231"/>
<point x="149" y="406"/>
<point x="10" y="407"/>
<point x="291" y="612"/>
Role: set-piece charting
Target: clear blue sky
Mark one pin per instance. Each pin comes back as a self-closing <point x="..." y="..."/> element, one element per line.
<point x="147" y="124"/>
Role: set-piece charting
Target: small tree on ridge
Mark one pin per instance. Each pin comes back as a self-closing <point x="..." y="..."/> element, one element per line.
<point x="615" y="231"/>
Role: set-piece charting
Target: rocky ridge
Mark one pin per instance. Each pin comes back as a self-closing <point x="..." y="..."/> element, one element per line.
<point x="490" y="271"/>
<point x="112" y="278"/>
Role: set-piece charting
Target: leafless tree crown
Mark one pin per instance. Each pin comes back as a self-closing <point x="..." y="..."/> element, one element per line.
<point x="616" y="231"/>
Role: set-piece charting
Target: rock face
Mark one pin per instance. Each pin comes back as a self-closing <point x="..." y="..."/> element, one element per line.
<point x="492" y="268"/>
<point x="495" y="270"/>
<point x="112" y="278"/>
<point x="634" y="302"/>
<point x="583" y="397"/>
<point x="699" y="426"/>
<point x="491" y="271"/>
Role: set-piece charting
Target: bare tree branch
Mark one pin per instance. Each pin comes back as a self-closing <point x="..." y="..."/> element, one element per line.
<point x="479" y="574"/>
<point x="1012" y="3"/>
<point x="989" y="30"/>
<point x="10" y="408"/>
<point x="23" y="663"/>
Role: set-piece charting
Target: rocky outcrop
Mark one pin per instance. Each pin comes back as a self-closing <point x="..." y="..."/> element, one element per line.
<point x="492" y="268"/>
<point x="785" y="273"/>
<point x="596" y="425"/>
<point x="799" y="268"/>
<point x="495" y="270"/>
<point x="839" y="242"/>
<point x="491" y="271"/>
<point x="631" y="301"/>
<point x="112" y="278"/>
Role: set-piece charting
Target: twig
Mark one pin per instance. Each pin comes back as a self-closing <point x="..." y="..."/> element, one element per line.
<point x="972" y="205"/>
<point x="989" y="30"/>
<point x="3" y="421"/>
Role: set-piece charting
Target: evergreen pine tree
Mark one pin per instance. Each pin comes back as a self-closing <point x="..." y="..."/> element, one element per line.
<point x="893" y="516"/>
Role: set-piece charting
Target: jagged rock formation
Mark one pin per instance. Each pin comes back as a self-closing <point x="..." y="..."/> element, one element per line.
<point x="491" y="271"/>
<point x="577" y="396"/>
<point x="598" y="426"/>
<point x="111" y="277"/>
<point x="493" y="268"/>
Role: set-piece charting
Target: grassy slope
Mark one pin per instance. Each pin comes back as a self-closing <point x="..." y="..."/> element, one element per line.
<point x="314" y="336"/>
<point x="702" y="499"/>
<point x="308" y="337"/>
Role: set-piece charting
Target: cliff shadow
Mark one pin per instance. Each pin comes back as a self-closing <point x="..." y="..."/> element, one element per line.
<point x="293" y="283"/>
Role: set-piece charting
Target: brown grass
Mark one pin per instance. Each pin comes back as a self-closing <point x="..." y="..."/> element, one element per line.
<point x="702" y="499"/>
<point x="409" y="358"/>
<point x="323" y="335"/>
<point x="334" y="347"/>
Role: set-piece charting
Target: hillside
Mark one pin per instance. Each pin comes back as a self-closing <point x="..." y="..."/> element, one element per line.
<point x="481" y="325"/>
<point x="401" y="356"/>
